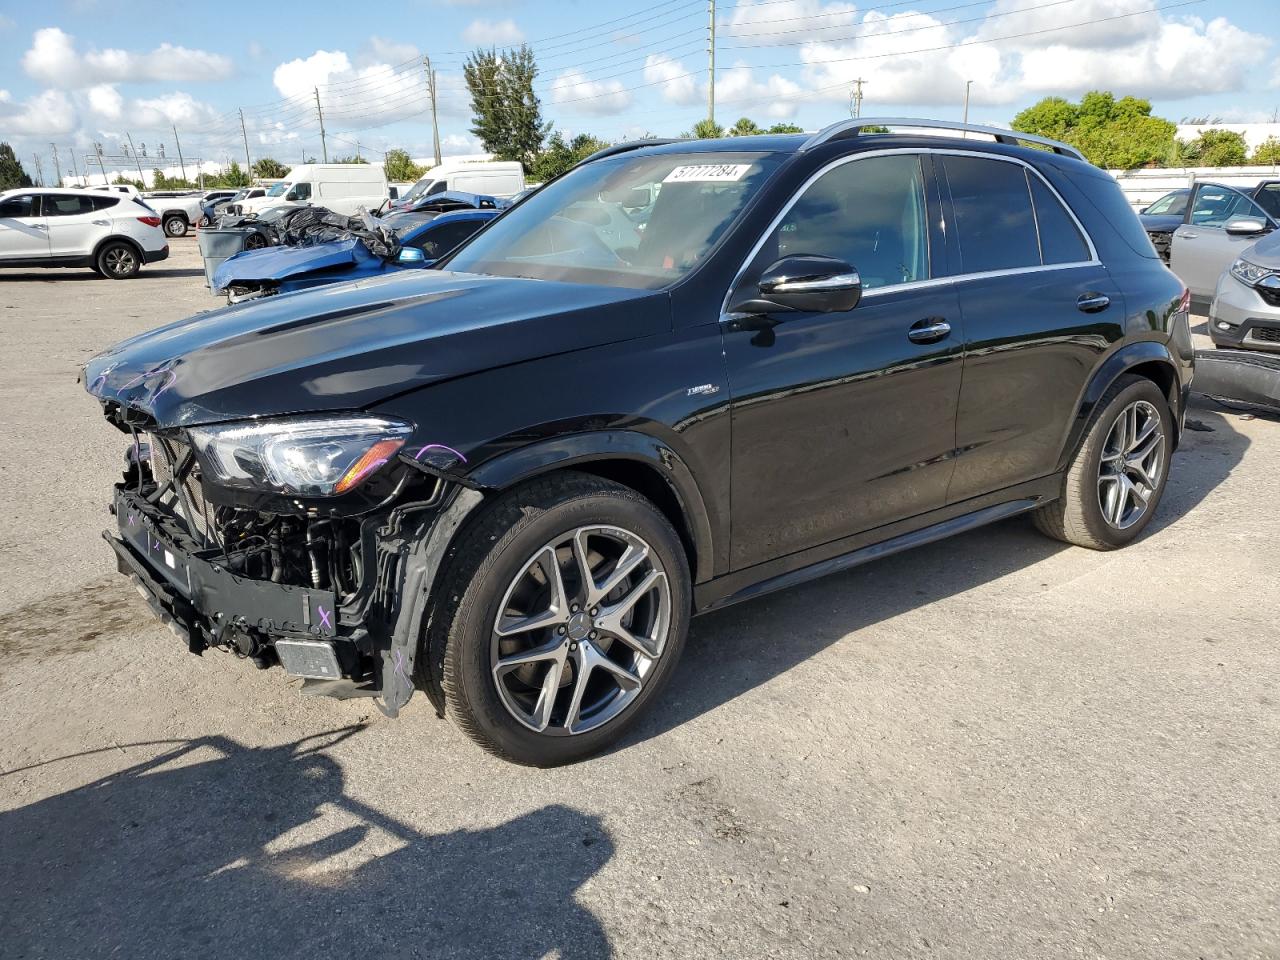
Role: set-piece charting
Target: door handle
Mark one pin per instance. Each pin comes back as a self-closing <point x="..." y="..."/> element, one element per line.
<point x="102" y="223"/>
<point x="1093" y="302"/>
<point x="929" y="330"/>
<point x="1188" y="234"/>
<point x="40" y="226"/>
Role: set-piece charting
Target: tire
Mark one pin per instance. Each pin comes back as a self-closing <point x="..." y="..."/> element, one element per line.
<point x="204" y="221"/>
<point x="493" y="585"/>
<point x="255" y="241"/>
<point x="1097" y="510"/>
<point x="118" y="260"/>
<point x="175" y="225"/>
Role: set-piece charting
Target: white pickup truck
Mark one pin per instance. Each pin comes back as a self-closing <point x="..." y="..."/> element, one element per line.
<point x="179" y="212"/>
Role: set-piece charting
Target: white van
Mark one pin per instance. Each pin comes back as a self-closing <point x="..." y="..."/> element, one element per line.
<point x="342" y="187"/>
<point x="495" y="178"/>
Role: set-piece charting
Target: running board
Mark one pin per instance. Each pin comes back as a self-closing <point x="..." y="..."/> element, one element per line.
<point x="855" y="558"/>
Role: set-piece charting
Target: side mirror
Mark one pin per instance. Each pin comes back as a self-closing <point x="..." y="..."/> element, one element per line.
<point x="809" y="284"/>
<point x="411" y="257"/>
<point x="1245" y="227"/>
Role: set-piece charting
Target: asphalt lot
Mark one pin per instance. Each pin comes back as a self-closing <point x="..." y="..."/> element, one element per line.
<point x="992" y="747"/>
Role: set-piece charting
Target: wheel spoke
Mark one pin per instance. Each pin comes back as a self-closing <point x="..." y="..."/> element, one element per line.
<point x="611" y="618"/>
<point x="1114" y="502"/>
<point x="631" y="558"/>
<point x="557" y="611"/>
<point x="547" y="698"/>
<point x="548" y="651"/>
<point x="582" y="673"/>
<point x="1151" y="427"/>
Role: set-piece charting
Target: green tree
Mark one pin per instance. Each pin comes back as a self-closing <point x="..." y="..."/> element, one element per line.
<point x="785" y="128"/>
<point x="234" y="176"/>
<point x="269" y="168"/>
<point x="1109" y="132"/>
<point x="399" y="168"/>
<point x="350" y="158"/>
<point x="506" y="113"/>
<point x="126" y="181"/>
<point x="560" y="155"/>
<point x="704" y="130"/>
<point x="1268" y="152"/>
<point x="745" y="127"/>
<point x="1214" y="148"/>
<point x="12" y="173"/>
<point x="161" y="181"/>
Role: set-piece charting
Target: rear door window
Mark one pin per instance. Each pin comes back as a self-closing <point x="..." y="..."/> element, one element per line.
<point x="994" y="216"/>
<point x="63" y="206"/>
<point x="1216" y="205"/>
<point x="23" y="205"/>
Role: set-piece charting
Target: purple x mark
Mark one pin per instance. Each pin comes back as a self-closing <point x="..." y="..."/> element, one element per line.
<point x="133" y="518"/>
<point x="325" y="622"/>
<point x="400" y="665"/>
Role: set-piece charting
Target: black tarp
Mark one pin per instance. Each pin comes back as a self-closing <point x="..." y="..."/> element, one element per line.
<point x="307" y="226"/>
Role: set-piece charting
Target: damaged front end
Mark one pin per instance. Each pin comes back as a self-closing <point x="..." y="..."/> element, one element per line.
<point x="309" y="543"/>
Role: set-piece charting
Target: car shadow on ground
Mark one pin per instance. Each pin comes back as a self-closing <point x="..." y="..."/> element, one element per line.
<point x="735" y="650"/>
<point x="59" y="276"/>
<point x="207" y="848"/>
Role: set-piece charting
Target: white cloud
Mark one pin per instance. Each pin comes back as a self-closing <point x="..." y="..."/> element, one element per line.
<point x="54" y="60"/>
<point x="352" y="98"/>
<point x="788" y="21"/>
<point x="595" y="97"/>
<point x="381" y="50"/>
<point x="105" y="101"/>
<point x="775" y="97"/>
<point x="673" y="79"/>
<point x="493" y="33"/>
<point x="47" y="114"/>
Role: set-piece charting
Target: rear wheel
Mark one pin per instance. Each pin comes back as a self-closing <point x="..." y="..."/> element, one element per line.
<point x="117" y="260"/>
<point x="175" y="225"/>
<point x="565" y="615"/>
<point x="1118" y="474"/>
<point x="255" y="241"/>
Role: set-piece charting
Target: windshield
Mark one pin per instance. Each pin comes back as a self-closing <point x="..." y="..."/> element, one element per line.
<point x="402" y="223"/>
<point x="278" y="190"/>
<point x="1171" y="204"/>
<point x="640" y="222"/>
<point x="418" y="189"/>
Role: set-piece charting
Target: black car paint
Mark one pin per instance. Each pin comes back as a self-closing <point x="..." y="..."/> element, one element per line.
<point x="781" y="450"/>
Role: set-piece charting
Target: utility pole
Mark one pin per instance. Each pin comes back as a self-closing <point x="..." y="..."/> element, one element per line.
<point x="39" y="169"/>
<point x="248" y="164"/>
<point x="967" y="85"/>
<point x="56" y="165"/>
<point x="97" y="149"/>
<point x="855" y="98"/>
<point x="711" y="61"/>
<point x="324" y="147"/>
<point x="76" y="170"/>
<point x="181" y="163"/>
<point x="141" y="178"/>
<point x="431" y="92"/>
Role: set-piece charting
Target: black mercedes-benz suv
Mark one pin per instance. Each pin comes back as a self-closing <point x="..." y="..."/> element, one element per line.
<point x="682" y="375"/>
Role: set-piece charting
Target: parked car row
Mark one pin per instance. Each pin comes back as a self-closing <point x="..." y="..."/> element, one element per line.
<point x="1221" y="242"/>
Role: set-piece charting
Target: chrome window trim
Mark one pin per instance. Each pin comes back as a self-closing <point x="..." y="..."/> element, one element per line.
<point x="1093" y="260"/>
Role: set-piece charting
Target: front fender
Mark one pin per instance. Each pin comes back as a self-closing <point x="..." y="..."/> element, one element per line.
<point x="598" y="446"/>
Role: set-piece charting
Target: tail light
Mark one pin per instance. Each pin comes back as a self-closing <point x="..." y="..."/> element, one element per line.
<point x="150" y="221"/>
<point x="1184" y="304"/>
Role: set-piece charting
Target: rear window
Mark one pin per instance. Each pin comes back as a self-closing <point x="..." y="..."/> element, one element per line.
<point x="102" y="203"/>
<point x="1060" y="238"/>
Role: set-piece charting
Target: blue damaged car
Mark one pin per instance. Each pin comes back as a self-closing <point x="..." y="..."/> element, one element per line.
<point x="425" y="236"/>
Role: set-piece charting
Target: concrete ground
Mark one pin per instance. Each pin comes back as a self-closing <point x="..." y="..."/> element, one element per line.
<point x="992" y="747"/>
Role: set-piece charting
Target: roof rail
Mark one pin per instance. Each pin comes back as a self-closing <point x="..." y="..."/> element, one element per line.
<point x="617" y="148"/>
<point x="847" y="129"/>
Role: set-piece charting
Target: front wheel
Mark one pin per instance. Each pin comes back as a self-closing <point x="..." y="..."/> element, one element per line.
<point x="1118" y="474"/>
<point x="564" y="616"/>
<point x="175" y="226"/>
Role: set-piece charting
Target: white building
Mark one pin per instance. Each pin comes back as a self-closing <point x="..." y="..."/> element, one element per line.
<point x="1253" y="133"/>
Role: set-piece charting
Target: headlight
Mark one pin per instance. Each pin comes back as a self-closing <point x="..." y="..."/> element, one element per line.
<point x="308" y="456"/>
<point x="1249" y="273"/>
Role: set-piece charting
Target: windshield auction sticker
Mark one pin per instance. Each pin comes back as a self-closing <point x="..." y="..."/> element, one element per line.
<point x="708" y="173"/>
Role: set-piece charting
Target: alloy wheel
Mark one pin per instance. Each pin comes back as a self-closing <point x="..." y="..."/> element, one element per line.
<point x="1132" y="465"/>
<point x="120" y="261"/>
<point x="580" y="629"/>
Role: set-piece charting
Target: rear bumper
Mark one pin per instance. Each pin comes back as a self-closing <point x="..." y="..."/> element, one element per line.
<point x="155" y="256"/>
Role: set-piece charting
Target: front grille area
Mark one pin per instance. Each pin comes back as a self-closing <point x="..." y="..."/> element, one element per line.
<point x="186" y="500"/>
<point x="1270" y="294"/>
<point x="1266" y="334"/>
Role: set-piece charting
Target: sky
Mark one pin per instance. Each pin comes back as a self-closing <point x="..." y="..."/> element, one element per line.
<point x="72" y="74"/>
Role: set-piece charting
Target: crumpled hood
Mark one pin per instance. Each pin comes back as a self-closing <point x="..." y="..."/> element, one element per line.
<point x="349" y="345"/>
<point x="280" y="263"/>
<point x="1266" y="252"/>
